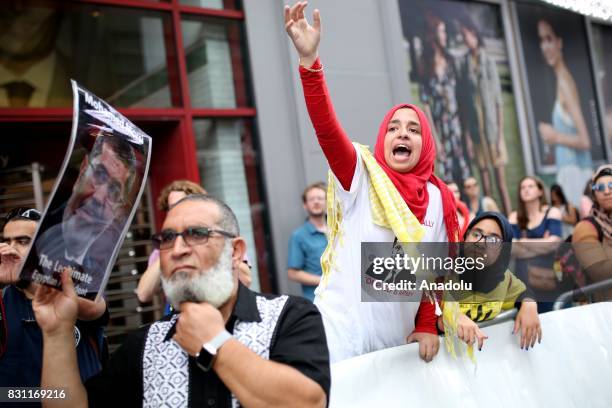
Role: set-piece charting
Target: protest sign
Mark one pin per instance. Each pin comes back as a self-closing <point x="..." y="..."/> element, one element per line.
<point x="94" y="199"/>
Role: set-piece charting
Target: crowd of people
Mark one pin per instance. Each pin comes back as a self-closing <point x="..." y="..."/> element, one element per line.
<point x="220" y="343"/>
<point x="544" y="227"/>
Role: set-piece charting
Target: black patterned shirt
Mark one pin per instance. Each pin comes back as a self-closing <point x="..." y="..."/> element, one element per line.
<point x="297" y="339"/>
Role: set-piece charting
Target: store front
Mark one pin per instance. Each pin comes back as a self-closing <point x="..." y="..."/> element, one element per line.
<point x="176" y="69"/>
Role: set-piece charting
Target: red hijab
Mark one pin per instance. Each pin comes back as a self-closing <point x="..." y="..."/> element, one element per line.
<point x="412" y="186"/>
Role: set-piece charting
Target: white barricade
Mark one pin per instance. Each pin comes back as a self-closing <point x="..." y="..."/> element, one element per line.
<point x="572" y="367"/>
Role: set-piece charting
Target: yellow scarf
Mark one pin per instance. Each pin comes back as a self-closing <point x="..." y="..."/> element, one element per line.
<point x="389" y="210"/>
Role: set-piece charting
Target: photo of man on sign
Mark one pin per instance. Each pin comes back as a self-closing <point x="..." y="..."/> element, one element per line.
<point x="91" y="222"/>
<point x="93" y="201"/>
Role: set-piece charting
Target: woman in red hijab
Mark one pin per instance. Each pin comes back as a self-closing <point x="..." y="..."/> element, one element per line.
<point x="405" y="151"/>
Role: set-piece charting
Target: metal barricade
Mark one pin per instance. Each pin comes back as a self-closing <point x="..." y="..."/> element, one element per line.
<point x="500" y="318"/>
<point x="585" y="290"/>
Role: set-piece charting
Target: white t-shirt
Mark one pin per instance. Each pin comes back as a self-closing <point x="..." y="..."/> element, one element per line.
<point x="354" y="327"/>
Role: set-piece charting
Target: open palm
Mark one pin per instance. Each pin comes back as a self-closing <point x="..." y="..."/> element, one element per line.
<point x="305" y="37"/>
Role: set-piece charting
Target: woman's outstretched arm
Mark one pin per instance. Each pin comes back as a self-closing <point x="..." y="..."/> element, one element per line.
<point x="333" y="140"/>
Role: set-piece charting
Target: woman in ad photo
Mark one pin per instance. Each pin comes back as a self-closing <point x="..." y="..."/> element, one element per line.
<point x="567" y="133"/>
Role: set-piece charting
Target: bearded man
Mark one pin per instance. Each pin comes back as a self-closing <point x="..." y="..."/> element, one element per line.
<point x="225" y="346"/>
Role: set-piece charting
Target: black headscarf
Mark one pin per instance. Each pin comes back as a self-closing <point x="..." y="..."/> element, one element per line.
<point x="486" y="280"/>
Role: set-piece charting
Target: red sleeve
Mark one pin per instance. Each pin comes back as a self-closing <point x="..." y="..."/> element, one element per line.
<point x="336" y="145"/>
<point x="426" y="319"/>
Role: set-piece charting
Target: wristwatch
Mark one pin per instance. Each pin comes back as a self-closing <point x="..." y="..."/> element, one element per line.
<point x="206" y="357"/>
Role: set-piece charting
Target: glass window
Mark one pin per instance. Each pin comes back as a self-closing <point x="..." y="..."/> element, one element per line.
<point x="118" y="53"/>
<point x="212" y="52"/>
<point x="213" y="4"/>
<point x="227" y="171"/>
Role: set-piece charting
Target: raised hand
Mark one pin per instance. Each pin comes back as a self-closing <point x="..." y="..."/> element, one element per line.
<point x="305" y="37"/>
<point x="10" y="262"/>
<point x="56" y="311"/>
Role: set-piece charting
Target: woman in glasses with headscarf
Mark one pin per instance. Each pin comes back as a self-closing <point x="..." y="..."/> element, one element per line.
<point x="494" y="288"/>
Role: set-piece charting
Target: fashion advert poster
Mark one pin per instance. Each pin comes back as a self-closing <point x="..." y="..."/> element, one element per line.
<point x="602" y="47"/>
<point x="460" y="73"/>
<point x="563" y="116"/>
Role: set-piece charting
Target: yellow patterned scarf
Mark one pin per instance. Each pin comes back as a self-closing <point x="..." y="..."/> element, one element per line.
<point x="389" y="210"/>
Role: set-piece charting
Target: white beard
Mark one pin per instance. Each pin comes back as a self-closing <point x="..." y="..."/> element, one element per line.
<point x="214" y="286"/>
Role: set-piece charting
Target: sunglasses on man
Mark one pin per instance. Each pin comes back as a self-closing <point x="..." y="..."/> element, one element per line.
<point x="192" y="236"/>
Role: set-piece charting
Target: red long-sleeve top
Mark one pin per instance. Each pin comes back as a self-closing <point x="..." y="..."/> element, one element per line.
<point x="342" y="158"/>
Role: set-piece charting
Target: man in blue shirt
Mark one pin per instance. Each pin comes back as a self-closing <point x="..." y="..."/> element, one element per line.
<point x="308" y="242"/>
<point x="21" y="364"/>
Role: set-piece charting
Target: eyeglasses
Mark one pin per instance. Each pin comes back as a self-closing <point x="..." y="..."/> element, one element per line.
<point x="191" y="235"/>
<point x="488" y="239"/>
<point x="101" y="177"/>
<point x="31" y="214"/>
<point x="601" y="187"/>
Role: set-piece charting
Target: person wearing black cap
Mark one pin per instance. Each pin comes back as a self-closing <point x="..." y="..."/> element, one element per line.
<point x="21" y="363"/>
<point x="19" y="227"/>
